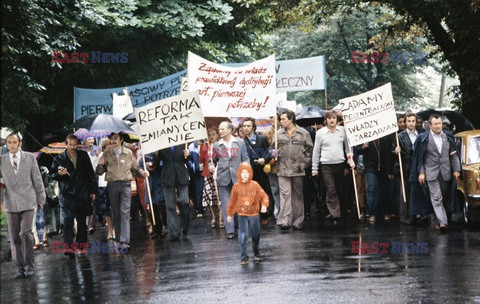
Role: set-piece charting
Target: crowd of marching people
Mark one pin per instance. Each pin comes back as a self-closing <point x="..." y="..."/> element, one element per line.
<point x="237" y="179"/>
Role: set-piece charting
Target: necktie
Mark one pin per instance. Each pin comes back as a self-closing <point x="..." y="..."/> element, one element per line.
<point x="15" y="167"/>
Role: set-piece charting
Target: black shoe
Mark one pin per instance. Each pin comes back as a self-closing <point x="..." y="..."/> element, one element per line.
<point x="20" y="274"/>
<point x="230" y="236"/>
<point x="184" y="233"/>
<point x="257" y="257"/>
<point x="336" y="222"/>
<point x="175" y="239"/>
<point x="29" y="273"/>
<point x="71" y="255"/>
<point x="91" y="231"/>
<point x="284" y="227"/>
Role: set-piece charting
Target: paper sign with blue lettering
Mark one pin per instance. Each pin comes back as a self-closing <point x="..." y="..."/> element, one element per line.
<point x="234" y="91"/>
<point x="92" y="101"/>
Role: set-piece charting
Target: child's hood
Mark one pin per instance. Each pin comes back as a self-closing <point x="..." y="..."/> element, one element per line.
<point x="249" y="169"/>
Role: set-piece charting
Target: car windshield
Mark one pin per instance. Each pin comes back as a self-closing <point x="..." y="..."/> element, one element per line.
<point x="473" y="150"/>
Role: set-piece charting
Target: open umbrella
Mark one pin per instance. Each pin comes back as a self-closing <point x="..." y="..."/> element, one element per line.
<point x="453" y="118"/>
<point x="102" y="123"/>
<point x="83" y="133"/>
<point x="130" y="117"/>
<point x="310" y="115"/>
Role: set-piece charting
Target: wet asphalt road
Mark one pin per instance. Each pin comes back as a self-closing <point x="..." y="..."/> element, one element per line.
<point x="315" y="265"/>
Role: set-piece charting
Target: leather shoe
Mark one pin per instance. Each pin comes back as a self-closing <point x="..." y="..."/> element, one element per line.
<point x="230" y="236"/>
<point x="265" y="222"/>
<point x="284" y="227"/>
<point x="29" y="273"/>
<point x="20" y="274"/>
<point x="184" y="233"/>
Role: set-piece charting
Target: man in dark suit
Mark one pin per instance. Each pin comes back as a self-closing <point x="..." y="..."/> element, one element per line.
<point x="435" y="158"/>
<point x="23" y="191"/>
<point x="174" y="180"/>
<point x="259" y="155"/>
<point x="78" y="187"/>
<point x="406" y="140"/>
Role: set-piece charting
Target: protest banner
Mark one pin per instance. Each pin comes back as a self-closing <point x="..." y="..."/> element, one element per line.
<point x="122" y="105"/>
<point x="92" y="101"/>
<point x="233" y="91"/>
<point x="369" y="116"/>
<point x="301" y="74"/>
<point x="170" y="122"/>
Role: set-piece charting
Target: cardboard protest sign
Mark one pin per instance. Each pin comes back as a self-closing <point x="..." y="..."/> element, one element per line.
<point x="369" y="116"/>
<point x="233" y="91"/>
<point x="122" y="105"/>
<point x="170" y="122"/>
<point x="301" y="74"/>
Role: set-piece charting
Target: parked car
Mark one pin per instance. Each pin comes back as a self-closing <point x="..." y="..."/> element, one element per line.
<point x="468" y="187"/>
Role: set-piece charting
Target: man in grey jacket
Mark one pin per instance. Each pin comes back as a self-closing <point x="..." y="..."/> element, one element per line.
<point x="438" y="159"/>
<point x="227" y="154"/>
<point x="294" y="155"/>
<point x="23" y="191"/>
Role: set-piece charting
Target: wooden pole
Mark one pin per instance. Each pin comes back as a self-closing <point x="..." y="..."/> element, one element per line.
<point x="355" y="187"/>
<point x="326" y="103"/>
<point x="401" y="170"/>
<point x="148" y="187"/>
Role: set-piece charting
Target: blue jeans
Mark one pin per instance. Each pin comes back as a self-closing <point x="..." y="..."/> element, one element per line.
<point x="373" y="190"/>
<point x="243" y="223"/>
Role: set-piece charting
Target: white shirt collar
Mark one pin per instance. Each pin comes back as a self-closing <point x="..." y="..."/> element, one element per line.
<point x="232" y="139"/>
<point x="18" y="154"/>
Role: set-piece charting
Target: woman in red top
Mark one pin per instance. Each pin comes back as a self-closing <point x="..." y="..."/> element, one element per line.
<point x="209" y="194"/>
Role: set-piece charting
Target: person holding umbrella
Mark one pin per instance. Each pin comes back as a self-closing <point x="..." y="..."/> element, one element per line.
<point x="120" y="166"/>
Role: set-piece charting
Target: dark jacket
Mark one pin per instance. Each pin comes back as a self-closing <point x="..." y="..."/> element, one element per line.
<point x="76" y="188"/>
<point x="155" y="178"/>
<point x="174" y="171"/>
<point x="407" y="153"/>
<point x="376" y="161"/>
<point x="258" y="147"/>
<point x="419" y="195"/>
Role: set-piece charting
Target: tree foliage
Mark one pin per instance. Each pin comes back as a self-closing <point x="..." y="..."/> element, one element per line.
<point x="155" y="34"/>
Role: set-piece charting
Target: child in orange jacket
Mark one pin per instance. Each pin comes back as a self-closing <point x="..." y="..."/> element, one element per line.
<point x="247" y="200"/>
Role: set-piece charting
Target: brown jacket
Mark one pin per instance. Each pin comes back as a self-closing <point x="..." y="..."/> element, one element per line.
<point x="121" y="169"/>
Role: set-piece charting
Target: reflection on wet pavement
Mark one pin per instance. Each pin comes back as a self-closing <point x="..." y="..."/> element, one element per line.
<point x="310" y="266"/>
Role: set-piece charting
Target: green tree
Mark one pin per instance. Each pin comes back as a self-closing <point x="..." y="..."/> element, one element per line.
<point x="359" y="30"/>
<point x="451" y="28"/>
<point x="156" y="35"/>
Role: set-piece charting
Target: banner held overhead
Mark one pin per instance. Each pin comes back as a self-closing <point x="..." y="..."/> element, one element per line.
<point x="93" y="101"/>
<point x="233" y="91"/>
